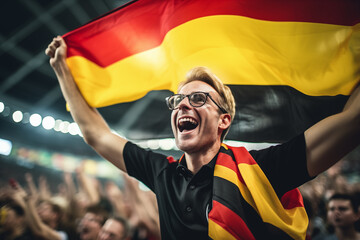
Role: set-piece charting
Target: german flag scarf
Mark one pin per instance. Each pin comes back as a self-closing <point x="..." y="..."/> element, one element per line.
<point x="245" y="205"/>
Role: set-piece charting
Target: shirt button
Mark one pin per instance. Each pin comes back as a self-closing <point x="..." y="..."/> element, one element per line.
<point x="181" y="170"/>
<point x="188" y="208"/>
<point x="192" y="187"/>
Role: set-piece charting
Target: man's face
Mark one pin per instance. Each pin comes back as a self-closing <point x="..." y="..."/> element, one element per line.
<point x="201" y="129"/>
<point x="340" y="213"/>
<point x="46" y="213"/>
<point x="112" y="230"/>
<point x="89" y="226"/>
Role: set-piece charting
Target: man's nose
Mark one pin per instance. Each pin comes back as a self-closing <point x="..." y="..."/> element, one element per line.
<point x="185" y="104"/>
<point x="337" y="212"/>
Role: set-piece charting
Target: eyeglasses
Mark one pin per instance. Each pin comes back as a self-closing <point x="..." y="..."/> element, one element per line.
<point x="196" y="99"/>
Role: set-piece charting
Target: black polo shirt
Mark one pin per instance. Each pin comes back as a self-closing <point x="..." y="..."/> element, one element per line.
<point x="184" y="199"/>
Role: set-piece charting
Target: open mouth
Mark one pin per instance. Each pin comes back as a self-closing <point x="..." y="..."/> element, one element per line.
<point x="187" y="124"/>
<point x="84" y="230"/>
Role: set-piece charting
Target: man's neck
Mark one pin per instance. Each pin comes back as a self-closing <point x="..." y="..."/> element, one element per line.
<point x="196" y="160"/>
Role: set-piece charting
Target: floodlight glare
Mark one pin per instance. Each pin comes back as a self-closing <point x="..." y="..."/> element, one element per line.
<point x="17" y="116"/>
<point x="2" y="107"/>
<point x="5" y="147"/>
<point x="48" y="122"/>
<point x="57" y="125"/>
<point x="167" y="144"/>
<point x="35" y="120"/>
<point x="64" y="126"/>
<point x="74" y="128"/>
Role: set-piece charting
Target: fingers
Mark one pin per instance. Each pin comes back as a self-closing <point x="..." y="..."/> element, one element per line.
<point x="55" y="44"/>
<point x="50" y="50"/>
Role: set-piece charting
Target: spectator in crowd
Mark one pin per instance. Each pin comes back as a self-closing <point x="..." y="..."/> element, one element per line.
<point x="50" y="213"/>
<point x="91" y="223"/>
<point x="115" y="228"/>
<point x="342" y="214"/>
<point x="40" y="228"/>
<point x="144" y="215"/>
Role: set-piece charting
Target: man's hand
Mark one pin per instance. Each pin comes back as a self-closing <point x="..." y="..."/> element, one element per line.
<point x="56" y="50"/>
<point x="19" y="195"/>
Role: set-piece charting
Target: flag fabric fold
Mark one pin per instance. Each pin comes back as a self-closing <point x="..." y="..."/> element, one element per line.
<point x="245" y="205"/>
<point x="282" y="49"/>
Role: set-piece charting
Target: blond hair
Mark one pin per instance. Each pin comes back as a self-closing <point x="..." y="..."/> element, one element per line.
<point x="226" y="101"/>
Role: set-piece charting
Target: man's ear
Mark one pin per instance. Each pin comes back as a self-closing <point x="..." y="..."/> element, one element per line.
<point x="224" y="121"/>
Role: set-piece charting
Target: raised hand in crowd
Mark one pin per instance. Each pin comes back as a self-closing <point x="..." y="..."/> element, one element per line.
<point x="88" y="186"/>
<point x="145" y="214"/>
<point x="116" y="197"/>
<point x="44" y="219"/>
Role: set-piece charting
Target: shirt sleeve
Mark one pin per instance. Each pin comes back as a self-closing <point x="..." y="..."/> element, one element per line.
<point x="144" y="165"/>
<point x="284" y="164"/>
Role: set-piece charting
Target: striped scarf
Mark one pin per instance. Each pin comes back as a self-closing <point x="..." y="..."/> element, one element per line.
<point x="245" y="206"/>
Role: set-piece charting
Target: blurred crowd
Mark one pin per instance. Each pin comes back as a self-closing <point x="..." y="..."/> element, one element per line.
<point x="79" y="206"/>
<point x="332" y="203"/>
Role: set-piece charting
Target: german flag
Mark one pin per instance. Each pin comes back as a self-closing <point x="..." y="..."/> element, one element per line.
<point x="286" y="61"/>
<point x="245" y="205"/>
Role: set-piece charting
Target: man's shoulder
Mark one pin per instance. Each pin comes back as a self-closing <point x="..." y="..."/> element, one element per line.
<point x="133" y="147"/>
<point x="136" y="153"/>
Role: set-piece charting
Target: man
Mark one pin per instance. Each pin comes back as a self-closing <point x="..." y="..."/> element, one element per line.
<point x="201" y="115"/>
<point x="92" y="222"/>
<point x="50" y="214"/>
<point x="342" y="213"/>
<point x="115" y="228"/>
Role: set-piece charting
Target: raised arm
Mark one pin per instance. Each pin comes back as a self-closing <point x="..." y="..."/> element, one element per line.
<point x="88" y="185"/>
<point x="37" y="226"/>
<point x="95" y="130"/>
<point x="331" y="139"/>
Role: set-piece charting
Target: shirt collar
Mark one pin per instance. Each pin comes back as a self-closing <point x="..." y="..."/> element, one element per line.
<point x="182" y="168"/>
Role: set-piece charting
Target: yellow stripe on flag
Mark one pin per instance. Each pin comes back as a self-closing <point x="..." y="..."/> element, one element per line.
<point x="216" y="230"/>
<point x="264" y="199"/>
<point x="269" y="206"/>
<point x="230" y="175"/>
<point x="316" y="59"/>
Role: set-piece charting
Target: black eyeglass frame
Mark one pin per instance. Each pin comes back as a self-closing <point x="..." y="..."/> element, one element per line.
<point x="183" y="96"/>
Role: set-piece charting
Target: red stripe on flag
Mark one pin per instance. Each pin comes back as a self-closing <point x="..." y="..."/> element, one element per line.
<point x="292" y="199"/>
<point x="242" y="155"/>
<point x="230" y="221"/>
<point x="226" y="161"/>
<point x="142" y="25"/>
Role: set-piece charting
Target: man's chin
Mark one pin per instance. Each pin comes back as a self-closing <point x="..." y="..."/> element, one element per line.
<point x="186" y="145"/>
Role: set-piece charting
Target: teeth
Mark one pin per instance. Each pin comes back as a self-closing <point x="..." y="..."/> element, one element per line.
<point x="187" y="120"/>
<point x="187" y="123"/>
